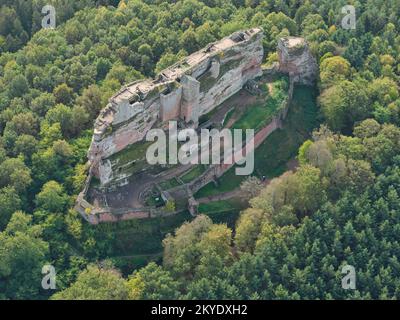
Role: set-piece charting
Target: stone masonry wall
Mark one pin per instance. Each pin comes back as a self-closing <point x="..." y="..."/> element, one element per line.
<point x="214" y="171"/>
<point x="184" y="91"/>
<point x="187" y="90"/>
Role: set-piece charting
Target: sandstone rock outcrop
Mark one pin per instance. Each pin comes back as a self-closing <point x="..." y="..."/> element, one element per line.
<point x="296" y="59"/>
<point x="184" y="91"/>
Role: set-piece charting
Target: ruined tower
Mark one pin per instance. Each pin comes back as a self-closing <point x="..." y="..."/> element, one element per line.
<point x="187" y="90"/>
<point x="296" y="59"/>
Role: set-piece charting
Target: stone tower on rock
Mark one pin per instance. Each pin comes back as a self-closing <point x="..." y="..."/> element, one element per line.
<point x="296" y="59"/>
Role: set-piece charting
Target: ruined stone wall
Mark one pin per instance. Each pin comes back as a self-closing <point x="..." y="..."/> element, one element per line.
<point x="216" y="171"/>
<point x="185" y="91"/>
<point x="170" y="103"/>
<point x="190" y="108"/>
<point x="104" y="215"/>
<point x="108" y="215"/>
<point x="296" y="59"/>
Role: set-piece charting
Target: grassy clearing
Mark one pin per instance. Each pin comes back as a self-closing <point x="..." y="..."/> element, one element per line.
<point x="193" y="173"/>
<point x="261" y="113"/>
<point x="255" y="117"/>
<point x="228" y="182"/>
<point x="282" y="145"/>
<point x="228" y="217"/>
<point x="132" y="159"/>
<point x="136" y="151"/>
<point x="219" y="206"/>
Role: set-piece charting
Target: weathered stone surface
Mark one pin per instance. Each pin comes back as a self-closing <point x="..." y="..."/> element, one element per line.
<point x="170" y="103"/>
<point x="296" y="59"/>
<point x="185" y="91"/>
<point x="190" y="99"/>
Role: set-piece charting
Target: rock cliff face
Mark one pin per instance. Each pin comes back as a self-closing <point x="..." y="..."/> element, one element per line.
<point x="184" y="91"/>
<point x="296" y="59"/>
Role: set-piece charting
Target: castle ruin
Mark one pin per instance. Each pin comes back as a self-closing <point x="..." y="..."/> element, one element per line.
<point x="184" y="92"/>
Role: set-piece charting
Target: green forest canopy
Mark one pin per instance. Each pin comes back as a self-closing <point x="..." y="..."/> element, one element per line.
<point x="54" y="82"/>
